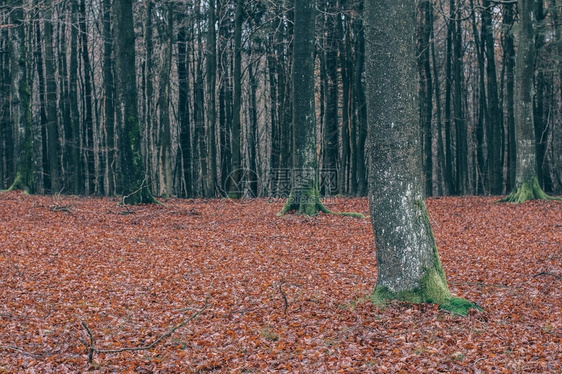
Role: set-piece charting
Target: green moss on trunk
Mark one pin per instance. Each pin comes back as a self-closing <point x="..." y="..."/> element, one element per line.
<point x="308" y="202"/>
<point x="432" y="287"/>
<point x="21" y="182"/>
<point x="140" y="196"/>
<point x="528" y="190"/>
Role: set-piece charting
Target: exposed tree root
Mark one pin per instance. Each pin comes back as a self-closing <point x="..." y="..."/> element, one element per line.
<point x="529" y="190"/>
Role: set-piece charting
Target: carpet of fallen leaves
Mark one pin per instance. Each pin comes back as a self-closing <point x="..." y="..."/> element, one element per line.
<point x="284" y="294"/>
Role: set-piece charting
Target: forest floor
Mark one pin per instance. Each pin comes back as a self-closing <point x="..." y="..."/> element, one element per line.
<point x="284" y="294"/>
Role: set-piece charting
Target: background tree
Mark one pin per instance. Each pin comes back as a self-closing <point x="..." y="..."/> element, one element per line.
<point x="134" y="184"/>
<point x="20" y="93"/>
<point x="526" y="183"/>
<point x="304" y="196"/>
<point x="409" y="268"/>
<point x="215" y="94"/>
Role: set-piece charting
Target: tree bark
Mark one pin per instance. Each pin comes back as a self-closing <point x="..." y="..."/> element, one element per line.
<point x="88" y="130"/>
<point x="165" y="151"/>
<point x="21" y="101"/>
<point x="409" y="268"/>
<point x="304" y="196"/>
<point x="135" y="186"/>
<point x="527" y="186"/>
<point x="183" y="113"/>
<point x="109" y="98"/>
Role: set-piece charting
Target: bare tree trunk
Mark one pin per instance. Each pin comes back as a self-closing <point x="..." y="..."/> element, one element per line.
<point x="408" y="263"/>
<point x="165" y="151"/>
<point x="53" y="141"/>
<point x="88" y="132"/>
<point x="109" y="98"/>
<point x="135" y="186"/>
<point x="21" y="101"/>
<point x="527" y="185"/>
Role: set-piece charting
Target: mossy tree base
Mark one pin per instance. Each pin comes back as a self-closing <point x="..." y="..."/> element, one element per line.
<point x="529" y="190"/>
<point x="141" y="196"/>
<point x="454" y="305"/>
<point x="20" y="183"/>
<point x="432" y="289"/>
<point x="308" y="202"/>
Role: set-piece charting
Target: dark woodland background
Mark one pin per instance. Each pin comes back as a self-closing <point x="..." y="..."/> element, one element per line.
<point x="213" y="95"/>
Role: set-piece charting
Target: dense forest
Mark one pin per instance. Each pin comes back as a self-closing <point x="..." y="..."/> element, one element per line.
<point x="194" y="98"/>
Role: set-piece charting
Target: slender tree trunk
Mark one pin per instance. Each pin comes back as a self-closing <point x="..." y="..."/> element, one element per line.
<point x="166" y="163"/>
<point x="21" y="101"/>
<point x="53" y="141"/>
<point x="6" y="134"/>
<point x="426" y="90"/>
<point x="458" y="110"/>
<point x="211" y="102"/>
<point x="43" y="183"/>
<point x="481" y="164"/>
<point x="450" y="182"/>
<point x="225" y="98"/>
<point x="233" y="189"/>
<point x="109" y="98"/>
<point x="494" y="120"/>
<point x="509" y="60"/>
<point x="361" y="104"/>
<point x="183" y="113"/>
<point x="347" y="176"/>
<point x="441" y="161"/>
<point x="150" y="128"/>
<point x="88" y="115"/>
<point x="541" y="105"/>
<point x="75" y="139"/>
<point x="331" y="119"/>
<point x="200" y="141"/>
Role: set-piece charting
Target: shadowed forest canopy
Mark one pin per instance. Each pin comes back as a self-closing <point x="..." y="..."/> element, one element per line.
<point x="214" y="105"/>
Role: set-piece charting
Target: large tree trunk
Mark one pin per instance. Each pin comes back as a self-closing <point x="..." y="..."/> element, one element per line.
<point x="135" y="186"/>
<point x="526" y="183"/>
<point x="408" y="263"/>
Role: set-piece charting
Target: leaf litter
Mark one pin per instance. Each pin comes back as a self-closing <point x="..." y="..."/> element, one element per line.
<point x="282" y="294"/>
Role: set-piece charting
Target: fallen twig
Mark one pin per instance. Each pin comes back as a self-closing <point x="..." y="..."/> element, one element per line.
<point x="92" y="350"/>
<point x="547" y="273"/>
<point x="19" y="350"/>
<point x="60" y="208"/>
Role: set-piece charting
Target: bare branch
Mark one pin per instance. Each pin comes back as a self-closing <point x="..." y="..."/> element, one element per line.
<point x="93" y="350"/>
